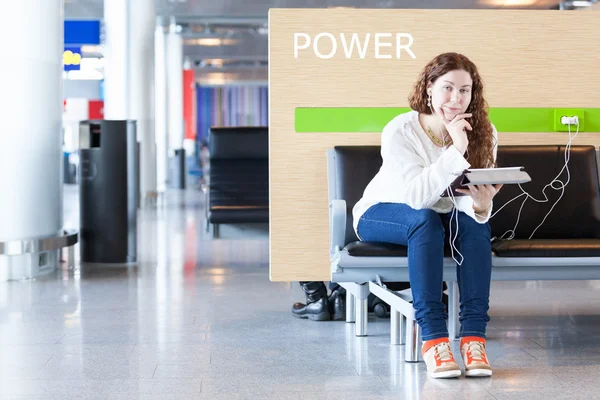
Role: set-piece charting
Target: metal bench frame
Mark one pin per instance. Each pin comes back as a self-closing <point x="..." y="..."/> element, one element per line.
<point x="361" y="276"/>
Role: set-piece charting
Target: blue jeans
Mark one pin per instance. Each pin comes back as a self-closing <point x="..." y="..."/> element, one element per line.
<point x="425" y="232"/>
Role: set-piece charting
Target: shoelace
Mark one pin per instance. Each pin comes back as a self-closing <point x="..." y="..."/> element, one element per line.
<point x="476" y="349"/>
<point x="443" y="352"/>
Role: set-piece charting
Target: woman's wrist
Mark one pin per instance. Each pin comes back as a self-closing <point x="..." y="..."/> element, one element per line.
<point x="462" y="148"/>
<point x="479" y="209"/>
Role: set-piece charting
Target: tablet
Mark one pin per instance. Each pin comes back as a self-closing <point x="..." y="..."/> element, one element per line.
<point x="492" y="176"/>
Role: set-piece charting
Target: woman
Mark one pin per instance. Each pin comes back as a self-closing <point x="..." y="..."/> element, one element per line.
<point x="423" y="152"/>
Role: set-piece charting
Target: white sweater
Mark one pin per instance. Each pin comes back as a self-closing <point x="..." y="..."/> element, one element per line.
<point x="416" y="172"/>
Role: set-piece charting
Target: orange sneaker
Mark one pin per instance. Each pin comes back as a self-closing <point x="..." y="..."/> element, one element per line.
<point x="438" y="357"/>
<point x="472" y="349"/>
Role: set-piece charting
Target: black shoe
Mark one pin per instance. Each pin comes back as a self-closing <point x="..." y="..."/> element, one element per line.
<point x="317" y="304"/>
<point x="337" y="304"/>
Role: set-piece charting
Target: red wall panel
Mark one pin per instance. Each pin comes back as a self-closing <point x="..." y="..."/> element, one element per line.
<point x="189" y="103"/>
<point x="96" y="109"/>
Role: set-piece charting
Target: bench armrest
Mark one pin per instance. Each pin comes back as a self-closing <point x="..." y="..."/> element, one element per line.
<point x="337" y="226"/>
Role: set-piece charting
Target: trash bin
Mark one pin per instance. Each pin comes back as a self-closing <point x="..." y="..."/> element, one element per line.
<point x="178" y="170"/>
<point x="108" y="192"/>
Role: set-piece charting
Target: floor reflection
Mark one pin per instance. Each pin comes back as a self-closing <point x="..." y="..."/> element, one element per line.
<point x="199" y="318"/>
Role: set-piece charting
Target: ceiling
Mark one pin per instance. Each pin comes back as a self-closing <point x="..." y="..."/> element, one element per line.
<point x="190" y="9"/>
<point x="231" y="35"/>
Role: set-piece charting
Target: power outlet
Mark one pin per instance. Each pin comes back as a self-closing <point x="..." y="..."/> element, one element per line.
<point x="559" y="113"/>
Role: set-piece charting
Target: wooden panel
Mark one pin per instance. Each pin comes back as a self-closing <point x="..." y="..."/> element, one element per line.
<point x="526" y="59"/>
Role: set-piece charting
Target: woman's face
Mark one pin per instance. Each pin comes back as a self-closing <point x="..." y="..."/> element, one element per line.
<point x="451" y="94"/>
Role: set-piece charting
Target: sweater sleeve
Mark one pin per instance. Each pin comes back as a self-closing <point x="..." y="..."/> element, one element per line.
<point x="465" y="203"/>
<point x="417" y="184"/>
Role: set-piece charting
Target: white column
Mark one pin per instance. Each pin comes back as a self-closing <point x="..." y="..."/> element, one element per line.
<point x="175" y="88"/>
<point x="116" y="50"/>
<point x="31" y="132"/>
<point x="160" y="108"/>
<point x="141" y="88"/>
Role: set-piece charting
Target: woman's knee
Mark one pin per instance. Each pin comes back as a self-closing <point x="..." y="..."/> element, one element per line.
<point x="428" y="221"/>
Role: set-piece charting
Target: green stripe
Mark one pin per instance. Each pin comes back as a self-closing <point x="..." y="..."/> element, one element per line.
<point x="373" y="119"/>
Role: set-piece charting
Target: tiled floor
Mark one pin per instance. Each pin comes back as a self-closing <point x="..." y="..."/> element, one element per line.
<point x="199" y="319"/>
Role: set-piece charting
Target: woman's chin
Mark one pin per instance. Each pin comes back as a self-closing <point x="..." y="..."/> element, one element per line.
<point x="450" y="115"/>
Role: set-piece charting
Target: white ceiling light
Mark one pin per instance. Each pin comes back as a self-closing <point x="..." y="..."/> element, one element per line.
<point x="581" y="3"/>
<point x="508" y="3"/>
<point x="210" y="41"/>
<point x="519" y="3"/>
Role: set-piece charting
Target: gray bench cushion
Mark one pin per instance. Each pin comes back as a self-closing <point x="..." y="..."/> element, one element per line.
<point x="378" y="249"/>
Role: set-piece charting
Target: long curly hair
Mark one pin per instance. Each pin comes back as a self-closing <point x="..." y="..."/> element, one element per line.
<point x="481" y="139"/>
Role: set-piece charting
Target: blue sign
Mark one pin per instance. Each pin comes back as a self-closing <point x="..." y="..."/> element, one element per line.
<point x="72" y="58"/>
<point x="82" y="32"/>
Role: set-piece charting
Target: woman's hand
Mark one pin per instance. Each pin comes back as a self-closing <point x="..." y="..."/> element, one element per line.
<point x="457" y="129"/>
<point x="482" y="195"/>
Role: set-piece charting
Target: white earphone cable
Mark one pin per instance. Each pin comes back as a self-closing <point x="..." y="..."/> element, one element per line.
<point x="562" y="187"/>
<point x="512" y="232"/>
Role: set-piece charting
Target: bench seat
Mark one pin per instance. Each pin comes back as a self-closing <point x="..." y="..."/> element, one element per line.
<point x="504" y="248"/>
<point x="238" y="191"/>
<point x="377" y="249"/>
<point x="565" y="247"/>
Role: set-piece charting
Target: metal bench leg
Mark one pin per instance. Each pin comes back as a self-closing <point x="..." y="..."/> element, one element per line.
<point x="215" y="231"/>
<point x="412" y="351"/>
<point x="350" y="310"/>
<point x="395" y="327"/>
<point x="356" y="305"/>
<point x="71" y="263"/>
<point x="453" y="308"/>
<point x="403" y="328"/>
<point x="361" y="317"/>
